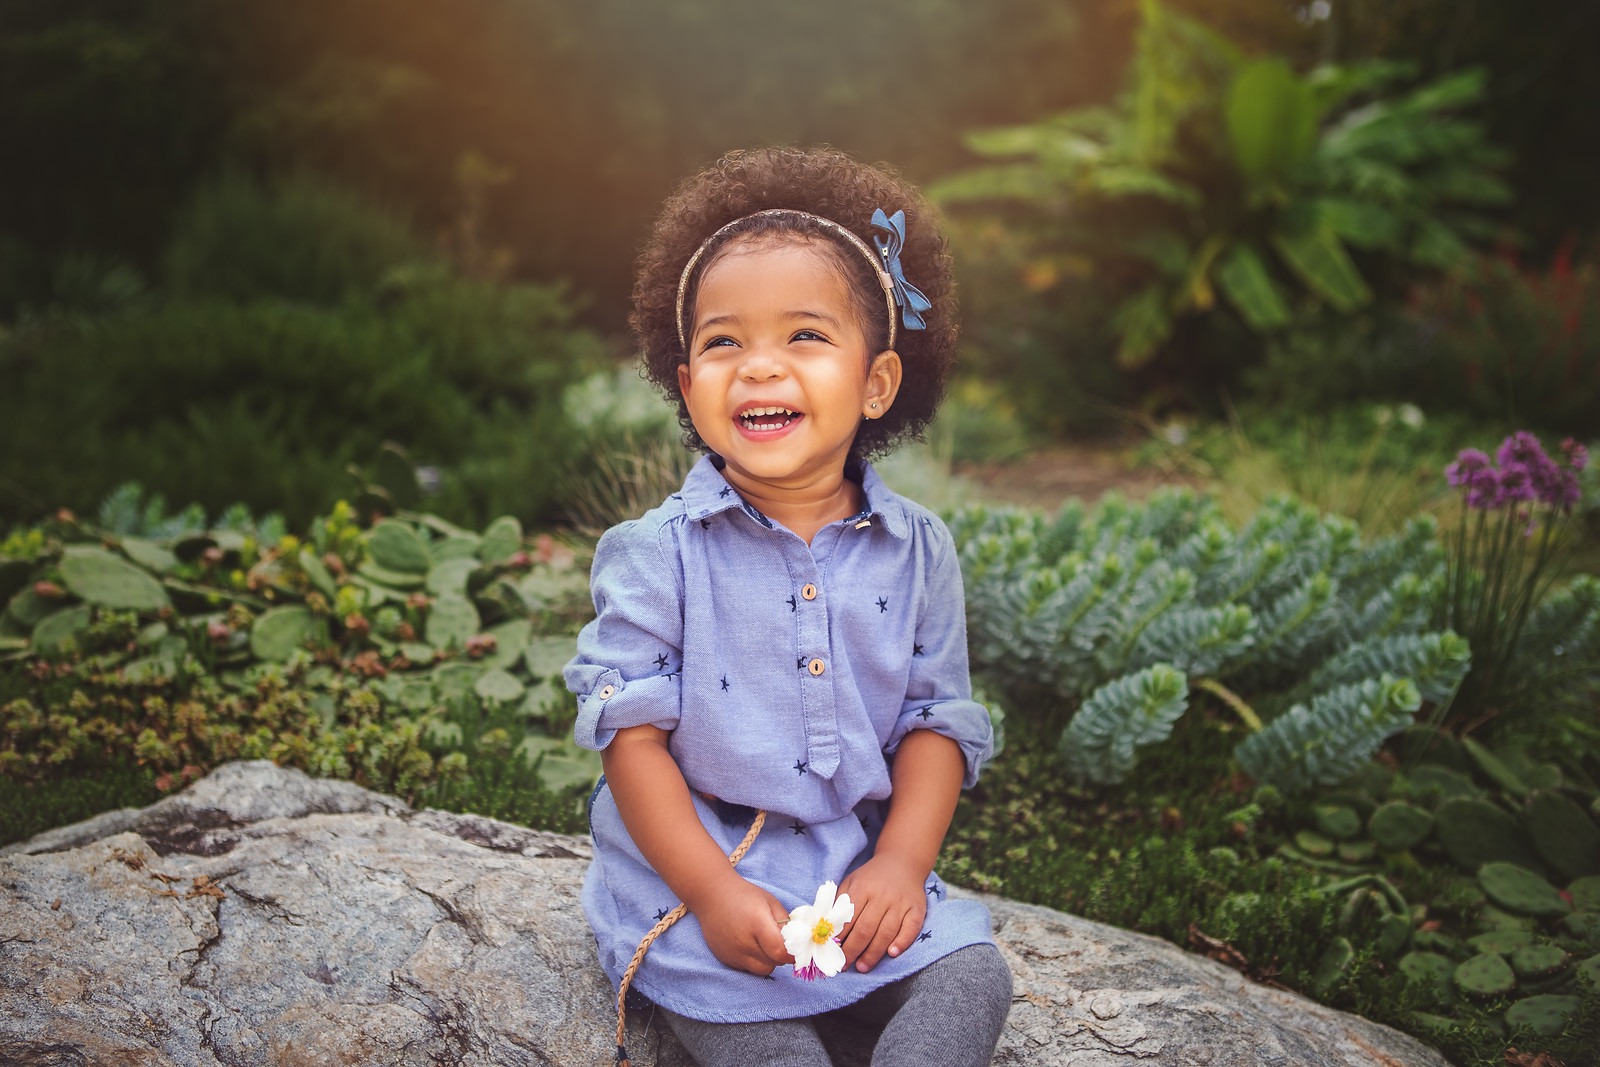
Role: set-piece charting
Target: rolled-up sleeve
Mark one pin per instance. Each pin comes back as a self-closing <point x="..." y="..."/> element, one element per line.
<point x="939" y="689"/>
<point x="628" y="670"/>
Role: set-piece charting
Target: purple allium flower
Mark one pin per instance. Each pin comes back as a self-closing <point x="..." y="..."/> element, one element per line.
<point x="1577" y="456"/>
<point x="1469" y="461"/>
<point x="1483" y="489"/>
<point x="1521" y="447"/>
<point x="1516" y="484"/>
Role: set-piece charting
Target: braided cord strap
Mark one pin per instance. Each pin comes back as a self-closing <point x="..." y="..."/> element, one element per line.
<point x="660" y="928"/>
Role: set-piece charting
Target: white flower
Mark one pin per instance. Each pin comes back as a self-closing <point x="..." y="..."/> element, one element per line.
<point x="812" y="933"/>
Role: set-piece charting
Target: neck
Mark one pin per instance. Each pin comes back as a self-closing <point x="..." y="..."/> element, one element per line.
<point x="803" y="509"/>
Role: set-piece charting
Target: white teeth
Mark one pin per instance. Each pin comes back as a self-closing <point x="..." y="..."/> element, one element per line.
<point x="750" y="416"/>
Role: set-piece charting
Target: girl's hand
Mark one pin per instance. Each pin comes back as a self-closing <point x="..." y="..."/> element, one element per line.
<point x="743" y="927"/>
<point x="890" y="906"/>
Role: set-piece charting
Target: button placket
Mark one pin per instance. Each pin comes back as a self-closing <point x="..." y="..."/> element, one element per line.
<point x="816" y="689"/>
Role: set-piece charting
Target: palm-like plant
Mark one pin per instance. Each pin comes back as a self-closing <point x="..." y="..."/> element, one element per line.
<point x="1218" y="173"/>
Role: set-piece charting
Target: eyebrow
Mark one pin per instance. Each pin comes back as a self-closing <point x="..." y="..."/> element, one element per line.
<point x="731" y="319"/>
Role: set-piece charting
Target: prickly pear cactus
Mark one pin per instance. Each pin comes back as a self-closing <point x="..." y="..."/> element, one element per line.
<point x="109" y="581"/>
<point x="1519" y="890"/>
<point x="1546" y="1014"/>
<point x="1398" y="826"/>
<point x="1484" y="976"/>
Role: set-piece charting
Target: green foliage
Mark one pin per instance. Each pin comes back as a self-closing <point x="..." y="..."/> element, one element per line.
<point x="298" y="238"/>
<point x="274" y="401"/>
<point x="174" y="655"/>
<point x="1065" y="614"/>
<point x="1220" y="174"/>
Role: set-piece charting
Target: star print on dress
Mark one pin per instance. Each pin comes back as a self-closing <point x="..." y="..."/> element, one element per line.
<point x="705" y="524"/>
<point x="793" y="604"/>
<point x="663" y="913"/>
<point x="724" y="683"/>
<point x="916" y="649"/>
<point x="926" y="713"/>
<point x="799" y="828"/>
<point x="883" y="605"/>
<point x="726" y="490"/>
<point x="800" y="766"/>
<point x="661" y="660"/>
<point x="800" y="663"/>
<point x="924" y="936"/>
<point x="935" y="890"/>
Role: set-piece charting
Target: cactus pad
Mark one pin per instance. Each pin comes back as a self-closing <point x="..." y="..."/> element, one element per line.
<point x="1564" y="835"/>
<point x="278" y="632"/>
<point x="1547" y="1014"/>
<point x="1590" y="967"/>
<point x="1585" y="893"/>
<point x="1337" y="821"/>
<point x="1333" y="967"/>
<point x="500" y="540"/>
<point x="1432" y="972"/>
<point x="110" y="581"/>
<point x="499" y="687"/>
<point x="1501" y="942"/>
<point x="1536" y="961"/>
<point x="395" y="546"/>
<point x="59" y="627"/>
<point x="378" y="574"/>
<point x="451" y="620"/>
<point x="1399" y="827"/>
<point x="510" y="642"/>
<point x="1583" y="926"/>
<point x="1474" y="832"/>
<point x="546" y="656"/>
<point x="454" y="546"/>
<point x="148" y="554"/>
<point x="449" y="578"/>
<point x="1357" y="851"/>
<point x="1484" y="976"/>
<point x="1313" y="844"/>
<point x="1440" y="782"/>
<point x="1519" y="890"/>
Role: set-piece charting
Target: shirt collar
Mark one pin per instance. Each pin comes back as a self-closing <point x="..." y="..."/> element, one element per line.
<point x="706" y="492"/>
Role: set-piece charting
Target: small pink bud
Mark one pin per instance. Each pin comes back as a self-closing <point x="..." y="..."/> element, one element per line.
<point x="48" y="591"/>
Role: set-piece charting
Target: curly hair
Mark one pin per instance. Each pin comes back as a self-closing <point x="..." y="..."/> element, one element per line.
<point x="824" y="182"/>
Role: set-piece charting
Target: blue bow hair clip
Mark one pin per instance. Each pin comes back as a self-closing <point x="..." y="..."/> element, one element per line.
<point x="909" y="297"/>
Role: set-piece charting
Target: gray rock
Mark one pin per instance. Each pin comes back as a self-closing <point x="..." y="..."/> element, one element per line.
<point x="264" y="917"/>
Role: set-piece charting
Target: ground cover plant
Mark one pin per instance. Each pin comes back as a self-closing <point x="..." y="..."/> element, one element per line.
<point x="1250" y="695"/>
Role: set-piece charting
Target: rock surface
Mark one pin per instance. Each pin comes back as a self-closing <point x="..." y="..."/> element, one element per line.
<point x="264" y="917"/>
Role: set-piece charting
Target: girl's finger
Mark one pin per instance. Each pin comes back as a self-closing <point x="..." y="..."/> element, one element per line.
<point x="882" y="937"/>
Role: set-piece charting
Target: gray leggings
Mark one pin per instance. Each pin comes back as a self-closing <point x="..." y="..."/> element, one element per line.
<point x="950" y="1012"/>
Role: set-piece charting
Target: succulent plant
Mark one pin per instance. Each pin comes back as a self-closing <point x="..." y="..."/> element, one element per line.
<point x="1502" y="941"/>
<point x="1518" y="889"/>
<point x="1333" y="966"/>
<point x="1474" y="831"/>
<point x="280" y="631"/>
<point x="451" y="621"/>
<point x="56" y="629"/>
<point x="1537" y="961"/>
<point x="1564" y="835"/>
<point x="1485" y="975"/>
<point x="1433" y="780"/>
<point x="1337" y="821"/>
<point x="1433" y="973"/>
<point x="1398" y="826"/>
<point x="110" y="581"/>
<point x="1546" y="1014"/>
<point x="1585" y="893"/>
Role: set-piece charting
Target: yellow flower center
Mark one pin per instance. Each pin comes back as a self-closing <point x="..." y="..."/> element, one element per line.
<point x="821" y="932"/>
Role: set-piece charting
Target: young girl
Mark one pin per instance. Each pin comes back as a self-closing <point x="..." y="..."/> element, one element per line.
<point x="786" y="635"/>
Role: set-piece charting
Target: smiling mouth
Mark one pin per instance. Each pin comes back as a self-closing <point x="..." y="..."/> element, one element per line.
<point x="767" y="418"/>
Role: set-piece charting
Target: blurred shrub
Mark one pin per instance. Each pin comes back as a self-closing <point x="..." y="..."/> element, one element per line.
<point x="268" y="402"/>
<point x="1513" y="344"/>
<point x="1034" y="334"/>
<point x="1223" y="198"/>
<point x="297" y="237"/>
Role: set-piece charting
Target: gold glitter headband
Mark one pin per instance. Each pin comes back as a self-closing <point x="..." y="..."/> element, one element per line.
<point x="884" y="278"/>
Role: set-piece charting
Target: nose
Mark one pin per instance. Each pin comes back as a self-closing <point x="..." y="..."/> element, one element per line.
<point x="761" y="364"/>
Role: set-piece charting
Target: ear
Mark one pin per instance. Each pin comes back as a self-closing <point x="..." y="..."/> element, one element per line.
<point x="883" y="384"/>
<point x="683" y="380"/>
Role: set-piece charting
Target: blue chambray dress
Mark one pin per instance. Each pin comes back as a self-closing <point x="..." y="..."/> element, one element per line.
<point x="788" y="674"/>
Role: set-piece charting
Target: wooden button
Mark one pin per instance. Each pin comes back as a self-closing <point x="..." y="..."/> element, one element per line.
<point x="607" y="692"/>
<point x="816" y="666"/>
<point x="808" y="591"/>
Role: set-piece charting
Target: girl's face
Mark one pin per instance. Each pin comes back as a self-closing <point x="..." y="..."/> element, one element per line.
<point x="779" y="376"/>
